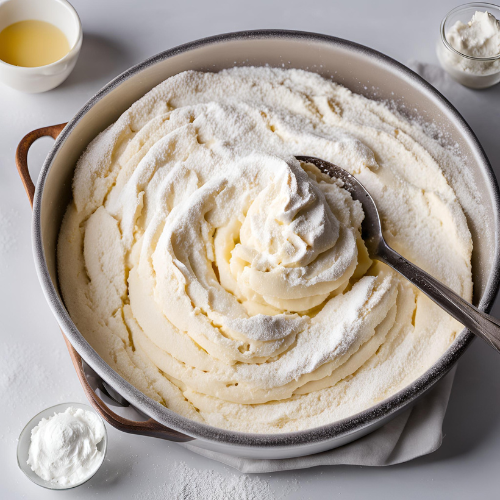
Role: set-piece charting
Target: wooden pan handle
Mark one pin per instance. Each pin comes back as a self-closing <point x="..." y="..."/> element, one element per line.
<point x="22" y="154"/>
<point x="149" y="427"/>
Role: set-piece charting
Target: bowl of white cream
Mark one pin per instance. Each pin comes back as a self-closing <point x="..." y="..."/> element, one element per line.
<point x="63" y="446"/>
<point x="469" y="44"/>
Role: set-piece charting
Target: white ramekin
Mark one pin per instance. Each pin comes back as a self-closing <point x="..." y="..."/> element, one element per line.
<point x="61" y="14"/>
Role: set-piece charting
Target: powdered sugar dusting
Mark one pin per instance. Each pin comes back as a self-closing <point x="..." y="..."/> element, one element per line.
<point x="186" y="483"/>
<point x="8" y="231"/>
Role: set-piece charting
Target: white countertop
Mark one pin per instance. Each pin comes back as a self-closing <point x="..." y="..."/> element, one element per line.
<point x="35" y="370"/>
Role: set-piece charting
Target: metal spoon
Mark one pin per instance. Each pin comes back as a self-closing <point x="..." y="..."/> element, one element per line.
<point x="479" y="323"/>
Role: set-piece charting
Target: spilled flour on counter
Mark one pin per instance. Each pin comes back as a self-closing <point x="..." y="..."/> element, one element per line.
<point x="25" y="377"/>
<point x="186" y="483"/>
<point x="9" y="231"/>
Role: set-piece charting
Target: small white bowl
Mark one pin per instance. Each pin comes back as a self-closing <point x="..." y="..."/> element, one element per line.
<point x="24" y="442"/>
<point x="61" y="14"/>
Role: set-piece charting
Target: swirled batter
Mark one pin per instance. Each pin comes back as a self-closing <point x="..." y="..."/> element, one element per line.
<point x="228" y="281"/>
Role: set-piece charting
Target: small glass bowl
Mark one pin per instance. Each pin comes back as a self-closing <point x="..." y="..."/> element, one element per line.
<point x="25" y="440"/>
<point x="470" y="71"/>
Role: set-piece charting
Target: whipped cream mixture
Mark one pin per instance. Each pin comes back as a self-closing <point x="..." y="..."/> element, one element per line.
<point x="228" y="281"/>
<point x="63" y="447"/>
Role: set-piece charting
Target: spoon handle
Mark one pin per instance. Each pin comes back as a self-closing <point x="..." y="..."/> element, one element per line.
<point x="479" y="323"/>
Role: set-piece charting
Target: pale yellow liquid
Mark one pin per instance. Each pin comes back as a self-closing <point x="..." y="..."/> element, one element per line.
<point x="32" y="43"/>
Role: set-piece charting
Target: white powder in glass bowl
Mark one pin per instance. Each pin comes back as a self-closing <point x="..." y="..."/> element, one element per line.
<point x="480" y="37"/>
<point x="475" y="60"/>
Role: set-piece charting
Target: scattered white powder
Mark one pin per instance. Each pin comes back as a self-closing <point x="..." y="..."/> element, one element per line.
<point x="186" y="483"/>
<point x="8" y="231"/>
<point x="63" y="447"/>
<point x="24" y="391"/>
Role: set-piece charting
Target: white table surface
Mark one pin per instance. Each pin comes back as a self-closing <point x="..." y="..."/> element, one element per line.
<point x="118" y="34"/>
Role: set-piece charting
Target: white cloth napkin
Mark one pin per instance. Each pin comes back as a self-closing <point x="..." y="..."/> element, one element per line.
<point x="415" y="432"/>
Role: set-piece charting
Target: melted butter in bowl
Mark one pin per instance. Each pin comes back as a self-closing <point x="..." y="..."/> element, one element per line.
<point x="230" y="282"/>
<point x="40" y="41"/>
<point x="32" y="43"/>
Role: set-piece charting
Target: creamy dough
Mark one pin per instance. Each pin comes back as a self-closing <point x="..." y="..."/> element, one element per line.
<point x="228" y="281"/>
